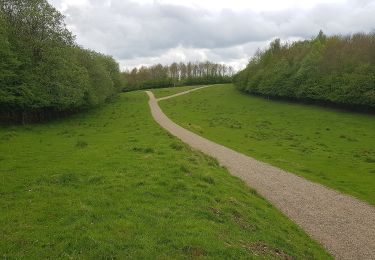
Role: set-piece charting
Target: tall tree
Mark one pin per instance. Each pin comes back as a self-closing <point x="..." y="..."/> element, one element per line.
<point x="42" y="72"/>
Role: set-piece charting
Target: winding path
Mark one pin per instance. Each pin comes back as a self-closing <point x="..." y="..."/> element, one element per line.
<point x="341" y="223"/>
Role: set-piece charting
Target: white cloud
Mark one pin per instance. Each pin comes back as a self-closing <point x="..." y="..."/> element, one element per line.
<point x="145" y="32"/>
<point x="254" y="5"/>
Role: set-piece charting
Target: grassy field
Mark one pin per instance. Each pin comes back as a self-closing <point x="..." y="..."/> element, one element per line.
<point x="112" y="184"/>
<point x="328" y="146"/>
<point x="163" y="92"/>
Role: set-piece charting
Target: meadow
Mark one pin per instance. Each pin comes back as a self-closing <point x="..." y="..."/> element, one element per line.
<point x="110" y="183"/>
<point x="333" y="147"/>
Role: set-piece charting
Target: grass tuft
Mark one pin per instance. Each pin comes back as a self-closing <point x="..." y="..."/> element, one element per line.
<point x="65" y="179"/>
<point x="208" y="179"/>
<point x="177" y="146"/>
<point x="81" y="144"/>
<point x="143" y="149"/>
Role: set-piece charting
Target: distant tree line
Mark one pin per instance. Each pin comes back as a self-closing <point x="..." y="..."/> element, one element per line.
<point x="43" y="73"/>
<point x="177" y="74"/>
<point x="336" y="70"/>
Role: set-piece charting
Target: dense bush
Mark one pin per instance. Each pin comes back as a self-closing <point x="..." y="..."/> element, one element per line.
<point x="159" y="76"/>
<point x="43" y="73"/>
<point x="336" y="70"/>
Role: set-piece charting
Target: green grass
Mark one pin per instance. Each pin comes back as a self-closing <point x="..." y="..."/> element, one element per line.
<point x="163" y="92"/>
<point x="328" y="146"/>
<point x="112" y="184"/>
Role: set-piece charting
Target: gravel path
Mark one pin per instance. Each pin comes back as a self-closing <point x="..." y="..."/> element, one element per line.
<point x="341" y="223"/>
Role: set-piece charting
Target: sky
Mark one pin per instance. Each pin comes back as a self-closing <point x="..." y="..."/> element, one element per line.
<point x="146" y="32"/>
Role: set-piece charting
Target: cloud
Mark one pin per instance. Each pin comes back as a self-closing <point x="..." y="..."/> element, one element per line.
<point x="146" y="32"/>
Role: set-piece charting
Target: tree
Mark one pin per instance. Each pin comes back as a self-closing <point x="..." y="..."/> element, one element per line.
<point x="43" y="74"/>
<point x="158" y="76"/>
<point x="335" y="70"/>
<point x="8" y="62"/>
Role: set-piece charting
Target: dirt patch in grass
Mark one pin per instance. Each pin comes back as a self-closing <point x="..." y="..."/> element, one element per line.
<point x="262" y="249"/>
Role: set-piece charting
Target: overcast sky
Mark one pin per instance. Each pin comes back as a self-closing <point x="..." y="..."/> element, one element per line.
<point x="146" y="32"/>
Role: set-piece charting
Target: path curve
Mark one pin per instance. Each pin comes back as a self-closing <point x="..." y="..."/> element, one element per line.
<point x="184" y="92"/>
<point x="341" y="223"/>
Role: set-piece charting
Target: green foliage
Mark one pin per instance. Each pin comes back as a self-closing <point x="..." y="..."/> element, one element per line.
<point x="159" y="76"/>
<point x="43" y="74"/>
<point x="333" y="147"/>
<point x="8" y="61"/>
<point x="91" y="187"/>
<point x="335" y="70"/>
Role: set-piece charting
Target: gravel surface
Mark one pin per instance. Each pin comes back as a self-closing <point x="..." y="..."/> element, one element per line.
<point x="341" y="223"/>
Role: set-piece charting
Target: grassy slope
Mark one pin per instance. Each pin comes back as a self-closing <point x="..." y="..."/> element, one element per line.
<point x="331" y="147"/>
<point x="163" y="92"/>
<point x="112" y="184"/>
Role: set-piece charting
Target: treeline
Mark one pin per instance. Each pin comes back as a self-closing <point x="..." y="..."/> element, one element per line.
<point x="43" y="73"/>
<point x="337" y="70"/>
<point x="176" y="74"/>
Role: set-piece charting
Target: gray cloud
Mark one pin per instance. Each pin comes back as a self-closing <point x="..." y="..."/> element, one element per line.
<point x="147" y="33"/>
